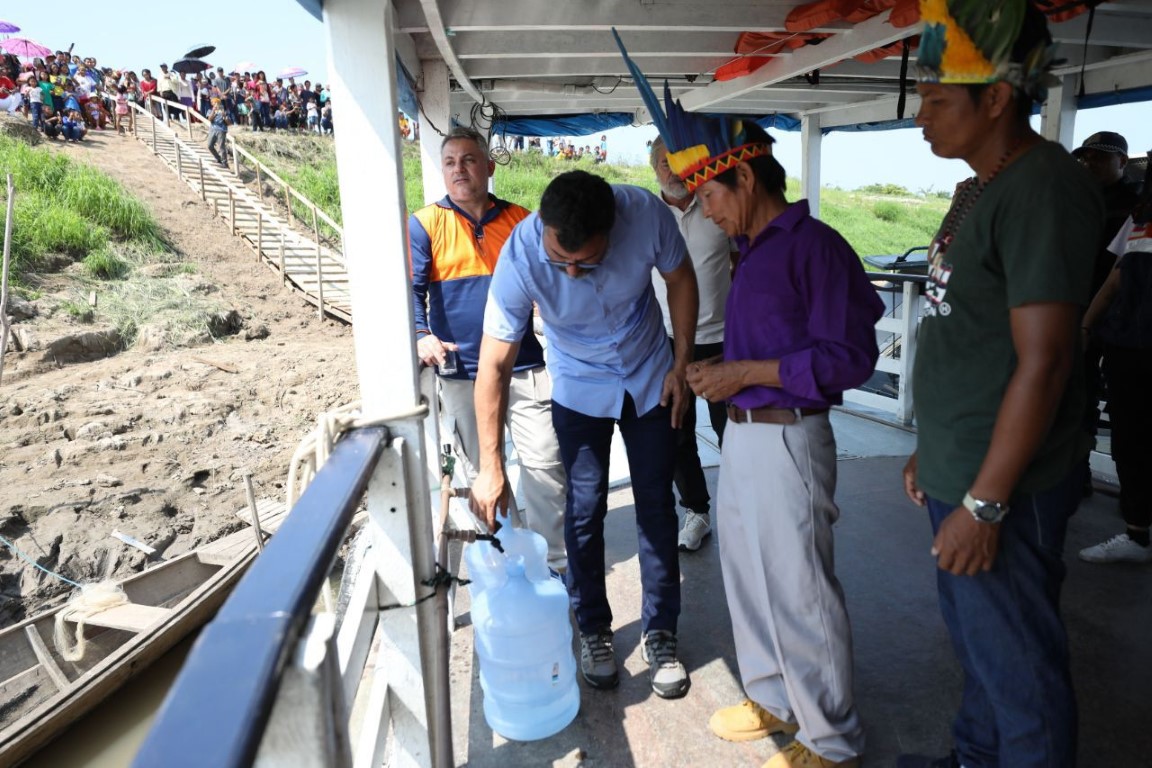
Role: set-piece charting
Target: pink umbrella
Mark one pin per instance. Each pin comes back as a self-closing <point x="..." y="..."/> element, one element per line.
<point x="24" y="48"/>
<point x="291" y="72"/>
<point x="246" y="66"/>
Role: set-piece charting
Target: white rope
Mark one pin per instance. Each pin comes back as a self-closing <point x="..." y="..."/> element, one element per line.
<point x="317" y="445"/>
<point x="90" y="600"/>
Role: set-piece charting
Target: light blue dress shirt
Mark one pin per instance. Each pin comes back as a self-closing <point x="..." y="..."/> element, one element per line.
<point x="605" y="331"/>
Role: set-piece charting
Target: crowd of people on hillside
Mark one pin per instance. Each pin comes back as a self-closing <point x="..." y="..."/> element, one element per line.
<point x="66" y="95"/>
<point x="565" y="149"/>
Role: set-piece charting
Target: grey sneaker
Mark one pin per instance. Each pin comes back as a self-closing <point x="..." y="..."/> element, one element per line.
<point x="668" y="676"/>
<point x="696" y="527"/>
<point x="597" y="662"/>
<point x="1118" y="549"/>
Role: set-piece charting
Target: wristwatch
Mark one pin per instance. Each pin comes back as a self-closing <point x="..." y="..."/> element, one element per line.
<point x="985" y="511"/>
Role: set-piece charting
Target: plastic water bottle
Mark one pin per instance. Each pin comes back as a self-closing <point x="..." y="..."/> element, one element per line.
<point x="524" y="643"/>
<point x="486" y="562"/>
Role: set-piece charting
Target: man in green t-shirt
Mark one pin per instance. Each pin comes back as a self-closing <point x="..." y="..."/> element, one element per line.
<point x="999" y="389"/>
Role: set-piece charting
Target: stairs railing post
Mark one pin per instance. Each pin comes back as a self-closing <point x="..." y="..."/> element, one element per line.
<point x="319" y="282"/>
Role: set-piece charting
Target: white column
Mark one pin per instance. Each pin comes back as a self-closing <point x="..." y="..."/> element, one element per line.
<point x="1058" y="115"/>
<point x="434" y="103"/>
<point x="362" y="60"/>
<point x="810" y="138"/>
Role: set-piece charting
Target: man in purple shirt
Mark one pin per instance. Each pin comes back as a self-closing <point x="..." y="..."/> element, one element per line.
<point x="799" y="330"/>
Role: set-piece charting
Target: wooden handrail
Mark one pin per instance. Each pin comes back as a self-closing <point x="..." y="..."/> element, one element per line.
<point x="281" y="182"/>
<point x="181" y="146"/>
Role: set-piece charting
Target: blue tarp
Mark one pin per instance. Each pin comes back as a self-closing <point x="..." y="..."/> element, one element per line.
<point x="587" y="124"/>
<point x="561" y="125"/>
<point x="1115" y="97"/>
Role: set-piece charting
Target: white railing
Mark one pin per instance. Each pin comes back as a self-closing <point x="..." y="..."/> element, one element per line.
<point x="898" y="353"/>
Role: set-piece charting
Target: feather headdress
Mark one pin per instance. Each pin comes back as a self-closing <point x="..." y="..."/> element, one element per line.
<point x="972" y="41"/>
<point x="700" y="148"/>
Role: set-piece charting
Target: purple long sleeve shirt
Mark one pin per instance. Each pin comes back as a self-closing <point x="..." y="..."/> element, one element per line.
<point x="800" y="296"/>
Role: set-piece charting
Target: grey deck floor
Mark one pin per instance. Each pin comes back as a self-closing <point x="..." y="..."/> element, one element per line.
<point x="907" y="681"/>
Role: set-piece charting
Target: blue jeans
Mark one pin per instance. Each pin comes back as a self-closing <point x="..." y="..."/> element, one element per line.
<point x="585" y="445"/>
<point x="37" y="110"/>
<point x="1018" y="709"/>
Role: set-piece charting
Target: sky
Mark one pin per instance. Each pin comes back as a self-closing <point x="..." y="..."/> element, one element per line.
<point x="276" y="34"/>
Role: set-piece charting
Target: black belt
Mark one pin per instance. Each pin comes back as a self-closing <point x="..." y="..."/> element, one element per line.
<point x="768" y="415"/>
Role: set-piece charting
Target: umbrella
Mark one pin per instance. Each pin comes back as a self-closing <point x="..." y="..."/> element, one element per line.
<point x="292" y="72"/>
<point x="190" y="66"/>
<point x="7" y="28"/>
<point x="199" y="51"/>
<point x="246" y="66"/>
<point x="24" y="48"/>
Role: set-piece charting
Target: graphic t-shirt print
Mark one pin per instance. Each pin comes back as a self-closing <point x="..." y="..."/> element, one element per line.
<point x="939" y="271"/>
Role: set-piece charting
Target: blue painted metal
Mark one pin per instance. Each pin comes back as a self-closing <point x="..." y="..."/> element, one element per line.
<point x="216" y="711"/>
<point x="314" y="7"/>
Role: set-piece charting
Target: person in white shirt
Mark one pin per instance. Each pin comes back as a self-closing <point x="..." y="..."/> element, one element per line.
<point x="711" y="254"/>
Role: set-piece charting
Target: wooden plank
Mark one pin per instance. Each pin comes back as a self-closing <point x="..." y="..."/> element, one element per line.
<point x="130" y="617"/>
<point x="45" y="657"/>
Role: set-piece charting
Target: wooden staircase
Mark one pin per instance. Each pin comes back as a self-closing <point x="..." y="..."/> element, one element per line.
<point x="304" y="260"/>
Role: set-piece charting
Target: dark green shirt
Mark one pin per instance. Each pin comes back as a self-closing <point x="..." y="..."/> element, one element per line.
<point x="1031" y="237"/>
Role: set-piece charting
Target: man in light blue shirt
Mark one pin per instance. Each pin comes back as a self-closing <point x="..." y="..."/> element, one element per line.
<point x="585" y="262"/>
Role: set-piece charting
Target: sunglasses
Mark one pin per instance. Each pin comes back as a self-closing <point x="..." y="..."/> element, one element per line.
<point x="585" y="266"/>
<point x="578" y="264"/>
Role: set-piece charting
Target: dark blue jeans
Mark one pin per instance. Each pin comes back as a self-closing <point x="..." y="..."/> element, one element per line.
<point x="1018" y="709"/>
<point x="585" y="446"/>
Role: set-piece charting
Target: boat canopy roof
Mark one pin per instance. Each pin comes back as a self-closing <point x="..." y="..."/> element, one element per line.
<point x="541" y="69"/>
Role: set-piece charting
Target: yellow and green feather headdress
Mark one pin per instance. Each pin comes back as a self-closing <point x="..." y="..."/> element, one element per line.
<point x="700" y="147"/>
<point x="971" y="41"/>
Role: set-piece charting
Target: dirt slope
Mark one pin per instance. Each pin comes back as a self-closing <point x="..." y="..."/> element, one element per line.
<point x="156" y="444"/>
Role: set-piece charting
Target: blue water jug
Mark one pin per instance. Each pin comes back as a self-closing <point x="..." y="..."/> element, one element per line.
<point x="524" y="642"/>
<point x="486" y="562"/>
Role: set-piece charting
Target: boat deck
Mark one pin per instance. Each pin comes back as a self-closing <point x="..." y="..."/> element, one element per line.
<point x="907" y="680"/>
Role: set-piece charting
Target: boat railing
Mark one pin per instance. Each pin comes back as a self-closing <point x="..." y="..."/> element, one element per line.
<point x="896" y="335"/>
<point x="275" y="678"/>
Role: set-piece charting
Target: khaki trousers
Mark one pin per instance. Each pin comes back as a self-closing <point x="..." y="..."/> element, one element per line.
<point x="542" y="479"/>
<point x="774" y="519"/>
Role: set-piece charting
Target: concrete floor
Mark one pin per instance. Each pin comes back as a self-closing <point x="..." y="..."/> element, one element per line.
<point x="907" y="681"/>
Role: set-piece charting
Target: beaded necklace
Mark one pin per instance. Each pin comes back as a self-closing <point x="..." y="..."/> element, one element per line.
<point x="967" y="194"/>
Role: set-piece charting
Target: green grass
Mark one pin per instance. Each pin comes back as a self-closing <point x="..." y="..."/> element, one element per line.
<point x="106" y="265"/>
<point x="877" y="219"/>
<point x="67" y="209"/>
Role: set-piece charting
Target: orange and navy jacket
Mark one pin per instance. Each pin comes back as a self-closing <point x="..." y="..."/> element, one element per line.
<point x="452" y="257"/>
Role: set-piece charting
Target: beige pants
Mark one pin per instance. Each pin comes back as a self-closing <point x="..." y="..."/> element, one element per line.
<point x="774" y="517"/>
<point x="542" y="480"/>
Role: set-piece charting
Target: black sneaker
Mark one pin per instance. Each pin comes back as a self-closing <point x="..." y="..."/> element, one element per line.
<point x="668" y="677"/>
<point x="597" y="661"/>
<point x="921" y="761"/>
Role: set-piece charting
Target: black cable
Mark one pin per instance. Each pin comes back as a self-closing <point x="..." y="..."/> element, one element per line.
<point x="597" y="89"/>
<point x="424" y="114"/>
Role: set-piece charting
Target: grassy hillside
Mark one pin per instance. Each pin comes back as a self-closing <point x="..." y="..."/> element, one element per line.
<point x="77" y="233"/>
<point x="881" y="219"/>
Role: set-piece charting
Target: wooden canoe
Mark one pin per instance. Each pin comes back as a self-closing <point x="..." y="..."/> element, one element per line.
<point x="41" y="694"/>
